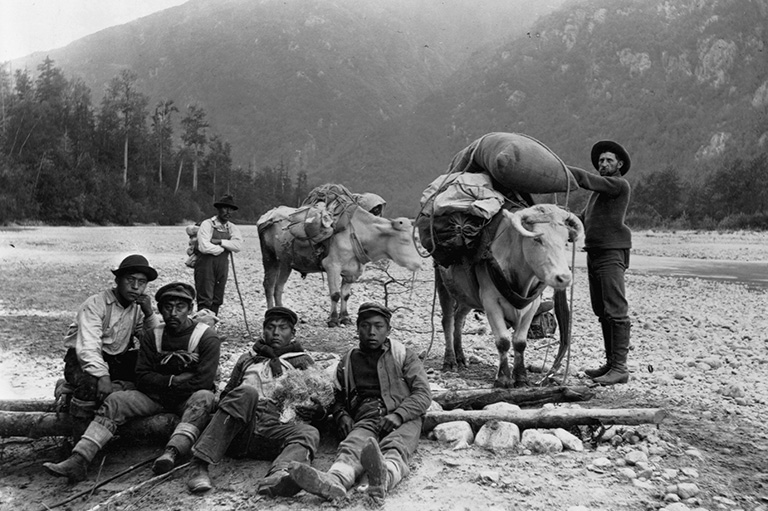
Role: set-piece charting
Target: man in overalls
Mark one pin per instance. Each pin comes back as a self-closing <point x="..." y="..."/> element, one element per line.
<point x="216" y="238"/>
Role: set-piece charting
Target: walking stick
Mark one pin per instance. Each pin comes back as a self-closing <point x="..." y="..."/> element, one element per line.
<point x="242" y="303"/>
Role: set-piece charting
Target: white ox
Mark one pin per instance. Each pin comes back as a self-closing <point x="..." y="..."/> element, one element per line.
<point x="364" y="238"/>
<point x="527" y="252"/>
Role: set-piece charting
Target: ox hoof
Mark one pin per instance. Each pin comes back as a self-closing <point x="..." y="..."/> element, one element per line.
<point x="332" y="323"/>
<point x="346" y="321"/>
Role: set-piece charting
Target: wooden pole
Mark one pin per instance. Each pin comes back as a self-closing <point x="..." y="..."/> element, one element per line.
<point x="471" y="399"/>
<point x="549" y="418"/>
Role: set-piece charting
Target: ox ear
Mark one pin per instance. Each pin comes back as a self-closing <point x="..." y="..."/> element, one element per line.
<point x="575" y="227"/>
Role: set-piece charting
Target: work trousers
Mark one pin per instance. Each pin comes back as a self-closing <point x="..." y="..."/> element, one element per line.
<point x="120" y="407"/>
<point x="122" y="368"/>
<point x="245" y="427"/>
<point x="211" y="273"/>
<point x="606" y="283"/>
<point x="397" y="447"/>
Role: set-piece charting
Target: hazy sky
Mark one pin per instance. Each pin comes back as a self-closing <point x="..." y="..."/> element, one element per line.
<point x="27" y="26"/>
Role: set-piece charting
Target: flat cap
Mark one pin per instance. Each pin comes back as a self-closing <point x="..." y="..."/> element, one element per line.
<point x="281" y="312"/>
<point x="373" y="308"/>
<point x="175" y="290"/>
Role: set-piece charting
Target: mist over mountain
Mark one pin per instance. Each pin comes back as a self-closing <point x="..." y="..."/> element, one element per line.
<point x="380" y="95"/>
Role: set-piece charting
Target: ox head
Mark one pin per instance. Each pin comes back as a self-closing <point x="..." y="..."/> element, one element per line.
<point x="544" y="231"/>
<point x="402" y="245"/>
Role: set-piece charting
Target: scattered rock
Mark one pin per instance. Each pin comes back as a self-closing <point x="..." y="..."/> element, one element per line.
<point x="498" y="436"/>
<point x="733" y="390"/>
<point x="540" y="442"/>
<point x="627" y="473"/>
<point x="687" y="490"/>
<point x="570" y="442"/>
<point x="502" y="407"/>
<point x="602" y="462"/>
<point x="690" y="472"/>
<point x="453" y="432"/>
<point x="634" y="457"/>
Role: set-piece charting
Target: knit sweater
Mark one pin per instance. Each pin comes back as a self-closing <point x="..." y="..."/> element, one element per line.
<point x="603" y="216"/>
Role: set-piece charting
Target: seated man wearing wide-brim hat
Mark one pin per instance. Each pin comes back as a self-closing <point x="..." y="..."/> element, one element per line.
<point x="100" y="347"/>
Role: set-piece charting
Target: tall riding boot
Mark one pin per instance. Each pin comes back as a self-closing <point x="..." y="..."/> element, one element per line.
<point x="619" y="372"/>
<point x="75" y="467"/>
<point x="607" y="343"/>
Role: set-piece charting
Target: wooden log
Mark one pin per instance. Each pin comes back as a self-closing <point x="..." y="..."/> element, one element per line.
<point x="40" y="424"/>
<point x="27" y="405"/>
<point x="472" y="399"/>
<point x="549" y="418"/>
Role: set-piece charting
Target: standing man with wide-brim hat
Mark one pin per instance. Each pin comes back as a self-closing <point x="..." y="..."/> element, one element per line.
<point x="101" y="352"/>
<point x="216" y="239"/>
<point x="607" y="242"/>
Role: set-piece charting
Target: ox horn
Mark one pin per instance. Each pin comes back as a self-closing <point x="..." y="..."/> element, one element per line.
<point x="518" y="217"/>
<point x="575" y="227"/>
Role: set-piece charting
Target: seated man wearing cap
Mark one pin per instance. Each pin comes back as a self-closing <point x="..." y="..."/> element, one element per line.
<point x="175" y="373"/>
<point x="101" y="356"/>
<point x="247" y="421"/>
<point x="216" y="238"/>
<point x="382" y="394"/>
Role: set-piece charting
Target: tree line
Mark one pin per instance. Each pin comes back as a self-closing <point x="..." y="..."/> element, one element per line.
<point x="66" y="160"/>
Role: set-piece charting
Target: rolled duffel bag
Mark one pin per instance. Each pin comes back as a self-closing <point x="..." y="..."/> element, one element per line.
<point x="517" y="162"/>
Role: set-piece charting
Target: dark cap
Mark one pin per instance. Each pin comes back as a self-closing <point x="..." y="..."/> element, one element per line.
<point x="373" y="308"/>
<point x="175" y="290"/>
<point x="226" y="201"/>
<point x="611" y="147"/>
<point x="281" y="312"/>
<point x="135" y="264"/>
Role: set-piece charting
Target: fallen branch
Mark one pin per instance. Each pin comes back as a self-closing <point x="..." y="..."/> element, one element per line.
<point x="42" y="424"/>
<point x="99" y="484"/>
<point x="548" y="418"/>
<point x="117" y="496"/>
<point x="27" y="405"/>
<point x="472" y="399"/>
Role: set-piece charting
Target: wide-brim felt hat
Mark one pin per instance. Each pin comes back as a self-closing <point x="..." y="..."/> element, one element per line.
<point x="281" y="312"/>
<point x="611" y="147"/>
<point x="373" y="308"/>
<point x="175" y="290"/>
<point x="225" y="201"/>
<point x="135" y="263"/>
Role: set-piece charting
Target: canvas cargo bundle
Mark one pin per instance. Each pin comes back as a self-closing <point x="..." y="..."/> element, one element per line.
<point x="455" y="208"/>
<point x="313" y="223"/>
<point x="517" y="162"/>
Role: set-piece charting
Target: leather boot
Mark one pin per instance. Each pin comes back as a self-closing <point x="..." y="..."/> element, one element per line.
<point x="75" y="467"/>
<point x="316" y="482"/>
<point x="607" y="343"/>
<point x="620" y="346"/>
<point x="166" y="461"/>
<point x="375" y="466"/>
<point x="278" y="482"/>
<point x="82" y="413"/>
<point x="199" y="480"/>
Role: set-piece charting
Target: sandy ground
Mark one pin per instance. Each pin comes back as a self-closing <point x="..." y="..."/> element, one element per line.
<point x="699" y="351"/>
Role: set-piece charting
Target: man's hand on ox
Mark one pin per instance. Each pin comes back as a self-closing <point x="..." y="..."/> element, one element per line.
<point x="389" y="423"/>
<point x="103" y="387"/>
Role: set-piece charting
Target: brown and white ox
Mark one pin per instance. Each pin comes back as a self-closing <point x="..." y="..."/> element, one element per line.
<point x="364" y="238"/>
<point x="526" y="253"/>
